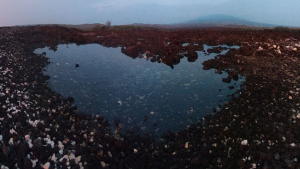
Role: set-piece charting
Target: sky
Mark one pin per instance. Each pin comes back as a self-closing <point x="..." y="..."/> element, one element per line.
<point x="119" y="12"/>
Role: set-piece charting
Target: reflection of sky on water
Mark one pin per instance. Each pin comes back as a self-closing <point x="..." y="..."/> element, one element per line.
<point x="111" y="84"/>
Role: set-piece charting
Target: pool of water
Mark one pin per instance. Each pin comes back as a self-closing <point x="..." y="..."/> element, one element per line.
<point x="142" y="95"/>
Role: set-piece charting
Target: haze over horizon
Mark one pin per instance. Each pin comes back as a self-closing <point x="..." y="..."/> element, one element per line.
<point x="19" y="12"/>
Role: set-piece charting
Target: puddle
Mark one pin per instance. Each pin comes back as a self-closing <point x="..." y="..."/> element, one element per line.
<point x="144" y="96"/>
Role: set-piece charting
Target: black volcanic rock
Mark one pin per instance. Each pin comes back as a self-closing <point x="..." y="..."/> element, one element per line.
<point x="255" y="128"/>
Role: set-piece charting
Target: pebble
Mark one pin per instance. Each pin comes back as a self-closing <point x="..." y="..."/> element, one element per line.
<point x="186" y="145"/>
<point x="244" y="142"/>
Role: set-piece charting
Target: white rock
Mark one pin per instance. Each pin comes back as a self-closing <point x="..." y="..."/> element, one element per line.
<point x="244" y="142"/>
<point x="51" y="143"/>
<point x="77" y="159"/>
<point x="30" y="143"/>
<point x="278" y="51"/>
<point x="85" y="135"/>
<point x="109" y="154"/>
<point x="64" y="157"/>
<point x="253" y="165"/>
<point x="11" y="141"/>
<point x="27" y="137"/>
<point x="60" y="145"/>
<point x="12" y="131"/>
<point x="46" y="166"/>
<point x="71" y="156"/>
<point x="103" y="164"/>
<point x="135" y="150"/>
<point x="34" y="162"/>
<point x="186" y="145"/>
<point x="53" y="158"/>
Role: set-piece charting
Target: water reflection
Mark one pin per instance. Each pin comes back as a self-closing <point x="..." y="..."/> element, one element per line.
<point x="136" y="93"/>
<point x="174" y="53"/>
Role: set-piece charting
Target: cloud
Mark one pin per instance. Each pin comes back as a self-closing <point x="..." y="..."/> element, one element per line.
<point x="106" y="5"/>
<point x="113" y="5"/>
<point x="186" y="2"/>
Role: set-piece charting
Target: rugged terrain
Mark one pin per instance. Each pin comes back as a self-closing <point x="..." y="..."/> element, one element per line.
<point x="258" y="129"/>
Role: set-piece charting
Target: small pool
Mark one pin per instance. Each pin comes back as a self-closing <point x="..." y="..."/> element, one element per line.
<point x="144" y="96"/>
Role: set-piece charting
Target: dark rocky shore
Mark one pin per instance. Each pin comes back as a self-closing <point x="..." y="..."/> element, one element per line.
<point x="258" y="129"/>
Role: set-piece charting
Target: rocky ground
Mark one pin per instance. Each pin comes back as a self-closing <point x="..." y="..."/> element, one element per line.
<point x="257" y="129"/>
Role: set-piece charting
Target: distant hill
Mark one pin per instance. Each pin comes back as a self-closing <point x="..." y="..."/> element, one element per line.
<point x="84" y="27"/>
<point x="220" y="20"/>
<point x="212" y="21"/>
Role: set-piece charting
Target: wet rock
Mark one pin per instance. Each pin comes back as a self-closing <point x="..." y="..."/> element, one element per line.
<point x="70" y="99"/>
<point x="131" y="51"/>
<point x="231" y="87"/>
<point x="226" y="80"/>
<point x="192" y="56"/>
<point x="233" y="75"/>
<point x="214" y="50"/>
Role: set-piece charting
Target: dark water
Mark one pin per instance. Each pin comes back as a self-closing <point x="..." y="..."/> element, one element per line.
<point x="114" y="85"/>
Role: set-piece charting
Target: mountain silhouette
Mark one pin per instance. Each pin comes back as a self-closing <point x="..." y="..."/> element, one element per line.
<point x="220" y="20"/>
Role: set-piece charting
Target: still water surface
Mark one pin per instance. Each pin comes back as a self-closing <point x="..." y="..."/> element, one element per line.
<point x="143" y="95"/>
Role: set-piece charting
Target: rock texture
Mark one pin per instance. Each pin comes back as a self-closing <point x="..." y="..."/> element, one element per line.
<point x="258" y="129"/>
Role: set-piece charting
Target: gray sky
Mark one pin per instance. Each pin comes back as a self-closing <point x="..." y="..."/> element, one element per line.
<point x="24" y="12"/>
